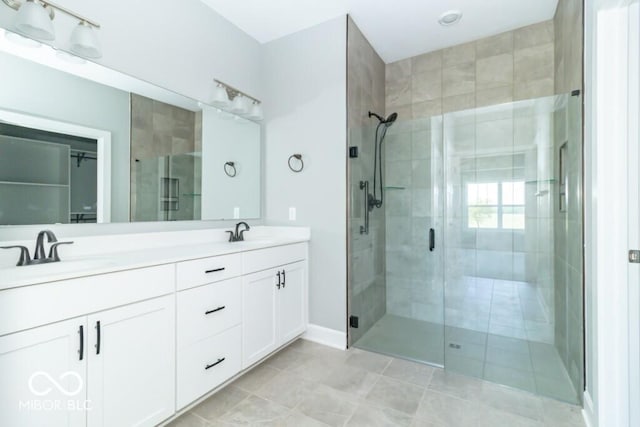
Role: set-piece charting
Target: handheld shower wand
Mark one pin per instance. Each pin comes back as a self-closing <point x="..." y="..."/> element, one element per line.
<point x="383" y="124"/>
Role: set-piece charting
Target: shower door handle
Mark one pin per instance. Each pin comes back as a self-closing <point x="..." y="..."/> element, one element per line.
<point x="364" y="185"/>
<point x="432" y="239"/>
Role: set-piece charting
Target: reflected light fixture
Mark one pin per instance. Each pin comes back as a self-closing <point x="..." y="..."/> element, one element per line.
<point x="237" y="102"/>
<point x="35" y="20"/>
<point x="450" y="17"/>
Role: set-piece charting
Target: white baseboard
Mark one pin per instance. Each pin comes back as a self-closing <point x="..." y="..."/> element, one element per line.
<point x="326" y="336"/>
<point x="587" y="411"/>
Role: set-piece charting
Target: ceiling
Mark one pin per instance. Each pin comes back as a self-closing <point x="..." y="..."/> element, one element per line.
<point x="397" y="29"/>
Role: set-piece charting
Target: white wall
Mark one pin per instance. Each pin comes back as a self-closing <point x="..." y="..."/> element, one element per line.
<point x="179" y="45"/>
<point x="305" y="107"/>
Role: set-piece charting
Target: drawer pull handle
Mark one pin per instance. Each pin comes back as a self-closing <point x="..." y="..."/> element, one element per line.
<point x="215" y="363"/>
<point x="215" y="309"/>
<point x="215" y="270"/>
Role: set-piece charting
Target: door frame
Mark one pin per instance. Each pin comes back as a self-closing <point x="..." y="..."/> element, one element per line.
<point x="610" y="145"/>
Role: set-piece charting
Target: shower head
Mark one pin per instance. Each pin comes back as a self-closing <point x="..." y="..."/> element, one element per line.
<point x="392" y="118"/>
<point x="388" y="121"/>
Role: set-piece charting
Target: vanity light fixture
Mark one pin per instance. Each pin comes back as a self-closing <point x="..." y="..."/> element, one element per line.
<point x="239" y="105"/>
<point x="84" y="41"/>
<point x="256" y="112"/>
<point x="237" y="102"/>
<point x="450" y="17"/>
<point x="35" y="20"/>
<point x="220" y="97"/>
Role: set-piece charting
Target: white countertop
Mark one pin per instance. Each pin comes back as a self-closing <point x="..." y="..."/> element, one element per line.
<point x="74" y="267"/>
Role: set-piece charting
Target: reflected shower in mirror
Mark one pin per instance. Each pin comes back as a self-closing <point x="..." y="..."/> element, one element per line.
<point x="166" y="161"/>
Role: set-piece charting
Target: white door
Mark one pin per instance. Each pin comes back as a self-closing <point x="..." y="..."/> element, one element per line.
<point x="131" y="371"/>
<point x="291" y="308"/>
<point x="42" y="376"/>
<point x="259" y="292"/>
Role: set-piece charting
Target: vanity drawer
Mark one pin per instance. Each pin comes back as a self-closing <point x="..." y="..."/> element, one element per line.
<point x="208" y="310"/>
<point x="263" y="259"/>
<point x="208" y="270"/>
<point x="30" y="306"/>
<point x="197" y="376"/>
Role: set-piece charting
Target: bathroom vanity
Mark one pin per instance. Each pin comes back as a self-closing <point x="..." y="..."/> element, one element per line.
<point x="133" y="337"/>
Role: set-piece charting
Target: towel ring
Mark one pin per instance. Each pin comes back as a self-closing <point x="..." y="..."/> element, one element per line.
<point x="299" y="157"/>
<point x="230" y="169"/>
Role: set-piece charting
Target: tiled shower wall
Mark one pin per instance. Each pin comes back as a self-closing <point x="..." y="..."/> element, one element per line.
<point x="568" y="275"/>
<point x="507" y="67"/>
<point x="365" y="83"/>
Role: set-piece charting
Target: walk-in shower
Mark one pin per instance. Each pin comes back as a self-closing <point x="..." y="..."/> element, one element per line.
<point x="480" y="267"/>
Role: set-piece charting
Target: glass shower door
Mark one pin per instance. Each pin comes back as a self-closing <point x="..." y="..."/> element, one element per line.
<point x="513" y="292"/>
<point x="410" y="324"/>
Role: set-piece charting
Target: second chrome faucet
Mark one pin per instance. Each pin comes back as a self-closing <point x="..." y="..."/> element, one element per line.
<point x="238" y="235"/>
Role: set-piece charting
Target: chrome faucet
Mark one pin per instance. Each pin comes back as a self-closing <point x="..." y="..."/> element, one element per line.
<point x="238" y="235"/>
<point x="39" y="252"/>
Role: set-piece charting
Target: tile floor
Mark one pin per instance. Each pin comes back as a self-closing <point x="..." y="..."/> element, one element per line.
<point x="308" y="384"/>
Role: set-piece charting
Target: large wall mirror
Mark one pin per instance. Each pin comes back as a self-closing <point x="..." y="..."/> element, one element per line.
<point x="80" y="143"/>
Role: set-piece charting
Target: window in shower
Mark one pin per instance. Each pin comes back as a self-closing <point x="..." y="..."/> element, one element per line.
<point x="496" y="205"/>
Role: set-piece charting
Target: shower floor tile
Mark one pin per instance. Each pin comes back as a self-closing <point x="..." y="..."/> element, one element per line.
<point x="527" y="365"/>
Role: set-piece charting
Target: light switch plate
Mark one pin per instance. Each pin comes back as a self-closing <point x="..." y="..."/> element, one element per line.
<point x="236" y="212"/>
<point x="292" y="214"/>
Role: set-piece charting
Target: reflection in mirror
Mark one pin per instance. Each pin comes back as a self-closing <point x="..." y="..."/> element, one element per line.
<point x="148" y="154"/>
<point x="165" y="161"/>
<point x="46" y="177"/>
<point x="230" y="192"/>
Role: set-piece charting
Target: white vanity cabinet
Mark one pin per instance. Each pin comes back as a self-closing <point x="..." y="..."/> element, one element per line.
<point x="133" y="347"/>
<point x="209" y="327"/>
<point x="115" y="366"/>
<point x="274" y="300"/>
<point x="42" y="372"/>
<point x="131" y="364"/>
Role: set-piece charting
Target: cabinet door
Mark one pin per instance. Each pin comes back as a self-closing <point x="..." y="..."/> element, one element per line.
<point x="291" y="308"/>
<point x="42" y="376"/>
<point x="131" y="370"/>
<point x="258" y="315"/>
